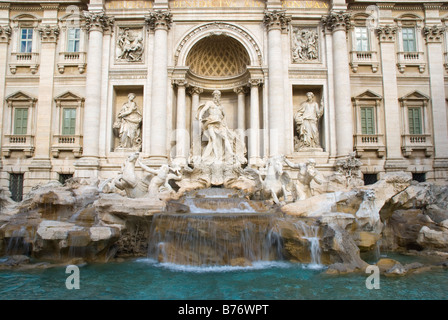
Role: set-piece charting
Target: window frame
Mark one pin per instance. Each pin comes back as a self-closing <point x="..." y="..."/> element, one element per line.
<point x="28" y="40"/>
<point x="367" y="39"/>
<point x="75" y="40"/>
<point x="407" y="40"/>
<point x="72" y="125"/>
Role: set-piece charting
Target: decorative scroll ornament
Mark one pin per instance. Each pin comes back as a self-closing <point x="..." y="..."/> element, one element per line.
<point x="434" y="33"/>
<point x="386" y="33"/>
<point x="98" y="21"/>
<point x="49" y="33"/>
<point x="159" y="19"/>
<point x="276" y="19"/>
<point x="305" y="45"/>
<point x="337" y="21"/>
<point x="5" y="33"/>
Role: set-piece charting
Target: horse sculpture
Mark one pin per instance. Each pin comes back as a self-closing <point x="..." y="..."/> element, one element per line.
<point x="273" y="182"/>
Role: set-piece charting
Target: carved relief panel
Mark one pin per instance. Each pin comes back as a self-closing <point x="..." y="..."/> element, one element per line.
<point x="129" y="44"/>
<point x="304" y="44"/>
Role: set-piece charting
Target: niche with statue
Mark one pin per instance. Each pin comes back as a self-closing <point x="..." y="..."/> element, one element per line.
<point x="128" y="116"/>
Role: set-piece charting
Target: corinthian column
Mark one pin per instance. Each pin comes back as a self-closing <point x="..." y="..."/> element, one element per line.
<point x="96" y="23"/>
<point x="49" y="36"/>
<point x="160" y="22"/>
<point x="275" y="21"/>
<point x="254" y="142"/>
<point x="433" y="37"/>
<point x="387" y="37"/>
<point x="337" y="23"/>
<point x="195" y="125"/>
<point x="181" y="123"/>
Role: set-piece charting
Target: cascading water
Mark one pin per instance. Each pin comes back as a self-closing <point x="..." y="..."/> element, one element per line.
<point x="203" y="239"/>
<point x="17" y="243"/>
<point x="311" y="233"/>
<point x="223" y="228"/>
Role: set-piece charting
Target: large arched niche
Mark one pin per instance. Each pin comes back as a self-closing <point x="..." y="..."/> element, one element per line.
<point x="217" y="28"/>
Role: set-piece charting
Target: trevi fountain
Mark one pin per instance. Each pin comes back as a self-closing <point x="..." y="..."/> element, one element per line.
<point x="214" y="227"/>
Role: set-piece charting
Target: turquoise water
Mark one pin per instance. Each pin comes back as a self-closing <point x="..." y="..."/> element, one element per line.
<point x="147" y="279"/>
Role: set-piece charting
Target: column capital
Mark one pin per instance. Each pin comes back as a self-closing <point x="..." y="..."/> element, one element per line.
<point x="276" y="19"/>
<point x="255" y="82"/>
<point x="98" y="21"/>
<point x="433" y="34"/>
<point x="49" y="33"/>
<point x="5" y="33"/>
<point x="240" y="90"/>
<point x="195" y="90"/>
<point x="159" y="19"/>
<point x="336" y="21"/>
<point x="179" y="82"/>
<point x="386" y="33"/>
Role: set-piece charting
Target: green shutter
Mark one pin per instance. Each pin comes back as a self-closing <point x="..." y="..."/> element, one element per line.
<point x="20" y="120"/>
<point x="367" y="120"/>
<point x="69" y="121"/>
<point x="415" y="121"/>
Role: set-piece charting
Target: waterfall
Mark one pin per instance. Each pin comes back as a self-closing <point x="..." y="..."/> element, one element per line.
<point x="17" y="243"/>
<point x="226" y="239"/>
<point x="311" y="234"/>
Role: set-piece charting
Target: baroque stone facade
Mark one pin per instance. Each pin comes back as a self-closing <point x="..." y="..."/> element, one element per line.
<point x="378" y="78"/>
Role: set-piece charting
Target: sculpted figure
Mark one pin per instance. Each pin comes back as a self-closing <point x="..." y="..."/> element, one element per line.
<point x="307" y="173"/>
<point x="306" y="120"/>
<point x="128" y="125"/>
<point x="128" y="181"/>
<point x="273" y="181"/>
<point x="161" y="177"/>
<point x="223" y="144"/>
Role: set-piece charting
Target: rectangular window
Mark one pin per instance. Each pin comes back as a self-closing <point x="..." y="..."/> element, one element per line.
<point x="74" y="36"/>
<point x="370" y="178"/>
<point x="68" y="121"/>
<point x="419" y="177"/>
<point x="26" y="40"/>
<point x="20" y="120"/>
<point x="415" y="120"/>
<point x="367" y="120"/>
<point x="16" y="186"/>
<point x="362" y="39"/>
<point x="63" y="177"/>
<point x="409" y="41"/>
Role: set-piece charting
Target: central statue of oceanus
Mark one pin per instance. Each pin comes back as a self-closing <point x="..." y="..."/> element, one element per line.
<point x="223" y="145"/>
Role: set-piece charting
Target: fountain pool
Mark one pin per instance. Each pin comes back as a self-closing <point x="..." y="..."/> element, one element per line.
<point x="148" y="279"/>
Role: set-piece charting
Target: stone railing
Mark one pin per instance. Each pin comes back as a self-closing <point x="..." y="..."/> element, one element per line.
<point x="412" y="142"/>
<point x="72" y="59"/>
<point x="18" y="142"/>
<point x="370" y="142"/>
<point x="364" y="58"/>
<point x="26" y="59"/>
<point x="71" y="143"/>
<point x="411" y="59"/>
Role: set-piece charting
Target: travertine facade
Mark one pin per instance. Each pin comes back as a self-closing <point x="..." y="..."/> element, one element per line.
<point x="379" y="70"/>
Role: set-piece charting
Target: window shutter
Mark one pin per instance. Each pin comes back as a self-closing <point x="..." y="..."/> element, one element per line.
<point x="20" y="120"/>
<point x="367" y="120"/>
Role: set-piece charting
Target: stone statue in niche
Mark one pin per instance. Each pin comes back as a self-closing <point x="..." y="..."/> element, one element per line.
<point x="307" y="174"/>
<point x="223" y="145"/>
<point x="130" y="46"/>
<point x="305" y="45"/>
<point x="127" y="126"/>
<point x="307" y="124"/>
